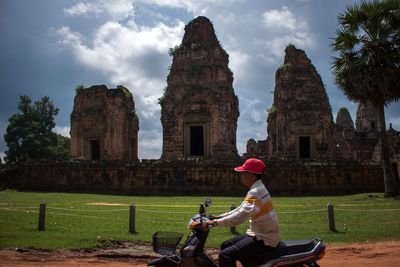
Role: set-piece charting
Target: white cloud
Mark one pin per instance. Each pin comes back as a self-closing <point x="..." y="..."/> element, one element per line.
<point x="150" y="143"/>
<point x="258" y="116"/>
<point x="64" y="131"/>
<point x="195" y="6"/>
<point x="2" y="155"/>
<point x="116" y="9"/>
<point x="79" y="9"/>
<point x="283" y="19"/>
<point x="284" y="28"/>
<point x="238" y="62"/>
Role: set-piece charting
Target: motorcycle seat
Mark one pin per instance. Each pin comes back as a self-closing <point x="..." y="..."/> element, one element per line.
<point x="289" y="247"/>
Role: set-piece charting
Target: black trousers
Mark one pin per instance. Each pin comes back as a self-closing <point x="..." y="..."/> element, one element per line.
<point x="244" y="248"/>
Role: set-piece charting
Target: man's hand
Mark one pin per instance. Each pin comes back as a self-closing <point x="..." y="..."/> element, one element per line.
<point x="210" y="222"/>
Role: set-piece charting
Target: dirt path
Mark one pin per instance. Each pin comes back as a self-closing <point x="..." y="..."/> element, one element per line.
<point x="385" y="254"/>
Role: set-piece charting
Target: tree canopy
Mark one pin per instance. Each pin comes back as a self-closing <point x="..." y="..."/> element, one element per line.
<point x="367" y="68"/>
<point x="29" y="133"/>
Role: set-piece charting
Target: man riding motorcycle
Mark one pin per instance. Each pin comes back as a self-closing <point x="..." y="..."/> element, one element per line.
<point x="263" y="235"/>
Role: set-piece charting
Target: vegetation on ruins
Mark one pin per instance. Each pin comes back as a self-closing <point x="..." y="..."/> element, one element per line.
<point x="161" y="99"/>
<point x="133" y="112"/>
<point x="172" y="50"/>
<point x="290" y="46"/>
<point x="79" y="89"/>
<point x="29" y="133"/>
<point x="272" y="109"/>
<point x="125" y="91"/>
<point x="195" y="46"/>
<point x="86" y="221"/>
<point x="285" y="67"/>
<point x="367" y="67"/>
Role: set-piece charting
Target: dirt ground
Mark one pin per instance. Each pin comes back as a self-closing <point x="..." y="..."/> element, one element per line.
<point x="385" y="254"/>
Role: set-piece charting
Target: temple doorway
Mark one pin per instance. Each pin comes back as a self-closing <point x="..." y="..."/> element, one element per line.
<point x="304" y="147"/>
<point x="94" y="149"/>
<point x="197" y="141"/>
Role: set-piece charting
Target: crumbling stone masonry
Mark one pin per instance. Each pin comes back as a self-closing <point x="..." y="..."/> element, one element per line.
<point x="300" y="122"/>
<point x="104" y="124"/>
<point x="199" y="109"/>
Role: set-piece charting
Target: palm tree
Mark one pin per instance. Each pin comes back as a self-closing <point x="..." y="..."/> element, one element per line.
<point x="367" y="66"/>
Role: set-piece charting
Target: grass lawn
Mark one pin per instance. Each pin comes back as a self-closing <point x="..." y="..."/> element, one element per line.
<point x="89" y="220"/>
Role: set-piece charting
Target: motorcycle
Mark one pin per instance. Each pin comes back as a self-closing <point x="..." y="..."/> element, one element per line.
<point x="297" y="253"/>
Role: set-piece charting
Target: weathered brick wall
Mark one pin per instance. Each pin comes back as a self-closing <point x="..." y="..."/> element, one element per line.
<point x="324" y="177"/>
<point x="190" y="177"/>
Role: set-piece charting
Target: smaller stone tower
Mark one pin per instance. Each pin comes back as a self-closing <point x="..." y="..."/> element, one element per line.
<point x="104" y="124"/>
<point x="367" y="119"/>
<point x="344" y="120"/>
<point x="345" y="124"/>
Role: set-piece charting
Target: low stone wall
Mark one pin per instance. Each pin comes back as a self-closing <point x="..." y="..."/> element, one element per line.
<point x="338" y="177"/>
<point x="153" y="177"/>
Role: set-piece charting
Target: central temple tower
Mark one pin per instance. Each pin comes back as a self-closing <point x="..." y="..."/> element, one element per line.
<point x="199" y="109"/>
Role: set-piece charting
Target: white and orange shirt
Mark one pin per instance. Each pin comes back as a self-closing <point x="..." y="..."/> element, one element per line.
<point x="257" y="206"/>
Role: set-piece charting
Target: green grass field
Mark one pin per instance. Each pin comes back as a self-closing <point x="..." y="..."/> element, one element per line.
<point x="85" y="221"/>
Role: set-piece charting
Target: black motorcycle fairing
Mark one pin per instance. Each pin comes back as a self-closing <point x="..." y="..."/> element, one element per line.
<point x="194" y="244"/>
<point x="189" y="248"/>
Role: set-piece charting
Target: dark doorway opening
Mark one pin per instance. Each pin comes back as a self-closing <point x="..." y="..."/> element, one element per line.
<point x="94" y="149"/>
<point x="196" y="141"/>
<point x="304" y="147"/>
<point x="395" y="172"/>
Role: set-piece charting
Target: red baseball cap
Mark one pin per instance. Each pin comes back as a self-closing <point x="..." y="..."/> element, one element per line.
<point x="252" y="165"/>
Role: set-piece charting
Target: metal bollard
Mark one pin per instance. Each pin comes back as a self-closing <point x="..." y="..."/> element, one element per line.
<point x="132" y="215"/>
<point x="42" y="215"/>
<point x="331" y="218"/>
<point x="233" y="228"/>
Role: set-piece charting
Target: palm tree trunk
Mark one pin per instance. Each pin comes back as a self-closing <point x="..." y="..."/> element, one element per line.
<point x="391" y="186"/>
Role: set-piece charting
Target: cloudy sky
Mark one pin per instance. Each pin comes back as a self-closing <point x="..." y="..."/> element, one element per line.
<point x="47" y="47"/>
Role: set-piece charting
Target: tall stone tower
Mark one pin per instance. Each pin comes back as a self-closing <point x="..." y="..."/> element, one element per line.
<point x="104" y="124"/>
<point x="300" y="122"/>
<point x="199" y="109"/>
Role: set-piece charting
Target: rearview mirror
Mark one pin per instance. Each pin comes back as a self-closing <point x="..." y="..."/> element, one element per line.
<point x="207" y="202"/>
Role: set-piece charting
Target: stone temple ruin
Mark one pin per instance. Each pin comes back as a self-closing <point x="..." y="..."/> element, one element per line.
<point x="300" y="122"/>
<point x="104" y="124"/>
<point x="199" y="109"/>
<point x="306" y="151"/>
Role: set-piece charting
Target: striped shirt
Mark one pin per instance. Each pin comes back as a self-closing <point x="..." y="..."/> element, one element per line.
<point x="256" y="207"/>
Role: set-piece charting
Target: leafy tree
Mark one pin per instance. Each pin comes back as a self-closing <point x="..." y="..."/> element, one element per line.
<point x="29" y="133"/>
<point x="368" y="61"/>
<point x="61" y="148"/>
